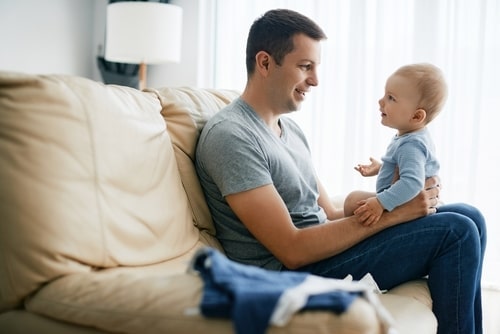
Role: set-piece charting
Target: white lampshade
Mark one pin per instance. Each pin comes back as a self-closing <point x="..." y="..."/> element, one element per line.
<point x="143" y="32"/>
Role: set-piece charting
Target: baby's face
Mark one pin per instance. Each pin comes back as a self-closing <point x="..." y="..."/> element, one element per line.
<point x="399" y="103"/>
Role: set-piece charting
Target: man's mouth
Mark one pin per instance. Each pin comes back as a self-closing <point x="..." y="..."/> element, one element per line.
<point x="301" y="92"/>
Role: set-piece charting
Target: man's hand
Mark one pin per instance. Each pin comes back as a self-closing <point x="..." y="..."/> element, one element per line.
<point x="431" y="191"/>
<point x="369" y="170"/>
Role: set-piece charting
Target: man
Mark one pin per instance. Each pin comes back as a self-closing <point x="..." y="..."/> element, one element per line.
<point x="270" y="209"/>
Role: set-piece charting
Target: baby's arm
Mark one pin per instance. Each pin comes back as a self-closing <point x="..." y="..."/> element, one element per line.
<point x="369" y="211"/>
<point x="369" y="170"/>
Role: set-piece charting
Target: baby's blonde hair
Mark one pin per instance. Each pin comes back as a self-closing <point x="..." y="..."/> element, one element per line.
<point x="431" y="86"/>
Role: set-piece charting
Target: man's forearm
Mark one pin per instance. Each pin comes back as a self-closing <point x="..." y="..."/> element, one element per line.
<point x="416" y="208"/>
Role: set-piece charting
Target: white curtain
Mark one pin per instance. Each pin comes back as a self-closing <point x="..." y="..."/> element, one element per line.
<point x="367" y="41"/>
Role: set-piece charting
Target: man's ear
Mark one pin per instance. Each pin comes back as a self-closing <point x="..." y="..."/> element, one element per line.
<point x="419" y="116"/>
<point x="262" y="60"/>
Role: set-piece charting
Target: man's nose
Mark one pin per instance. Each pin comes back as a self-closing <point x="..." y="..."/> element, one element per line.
<point x="312" y="80"/>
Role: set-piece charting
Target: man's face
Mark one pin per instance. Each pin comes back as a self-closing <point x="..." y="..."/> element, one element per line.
<point x="292" y="80"/>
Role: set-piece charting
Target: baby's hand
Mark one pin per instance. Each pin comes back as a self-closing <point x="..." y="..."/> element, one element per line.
<point x="369" y="170"/>
<point x="369" y="211"/>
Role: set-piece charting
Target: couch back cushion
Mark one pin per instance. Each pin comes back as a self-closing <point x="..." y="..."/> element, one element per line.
<point x="186" y="110"/>
<point x="88" y="179"/>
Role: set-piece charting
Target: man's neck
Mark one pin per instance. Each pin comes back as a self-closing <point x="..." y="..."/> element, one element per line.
<point x="262" y="109"/>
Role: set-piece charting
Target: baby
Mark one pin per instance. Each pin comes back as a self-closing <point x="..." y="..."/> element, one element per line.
<point x="414" y="95"/>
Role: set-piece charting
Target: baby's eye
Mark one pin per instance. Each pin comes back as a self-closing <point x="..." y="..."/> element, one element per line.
<point x="391" y="98"/>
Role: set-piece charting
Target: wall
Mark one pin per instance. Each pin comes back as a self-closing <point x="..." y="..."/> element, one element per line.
<point x="66" y="36"/>
<point x="46" y="36"/>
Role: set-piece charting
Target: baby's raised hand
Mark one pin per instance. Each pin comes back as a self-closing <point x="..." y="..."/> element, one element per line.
<point x="369" y="170"/>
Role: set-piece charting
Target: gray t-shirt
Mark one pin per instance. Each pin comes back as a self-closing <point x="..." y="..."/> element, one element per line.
<point x="236" y="152"/>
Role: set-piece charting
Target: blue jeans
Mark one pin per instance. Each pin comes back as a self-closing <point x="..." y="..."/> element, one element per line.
<point x="447" y="246"/>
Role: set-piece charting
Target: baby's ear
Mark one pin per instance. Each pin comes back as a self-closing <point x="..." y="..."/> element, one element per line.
<point x="420" y="115"/>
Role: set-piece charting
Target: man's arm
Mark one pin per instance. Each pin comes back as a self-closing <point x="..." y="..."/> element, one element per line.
<point x="325" y="202"/>
<point x="265" y="215"/>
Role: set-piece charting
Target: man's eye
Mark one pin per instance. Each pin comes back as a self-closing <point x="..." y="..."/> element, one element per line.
<point x="306" y="67"/>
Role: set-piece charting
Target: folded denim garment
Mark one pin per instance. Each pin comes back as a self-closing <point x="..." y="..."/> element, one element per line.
<point x="255" y="298"/>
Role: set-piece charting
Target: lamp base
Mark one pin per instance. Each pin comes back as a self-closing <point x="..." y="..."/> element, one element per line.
<point x="118" y="73"/>
<point x="143" y="68"/>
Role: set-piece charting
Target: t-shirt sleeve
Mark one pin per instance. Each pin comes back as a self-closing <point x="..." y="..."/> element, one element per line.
<point x="233" y="159"/>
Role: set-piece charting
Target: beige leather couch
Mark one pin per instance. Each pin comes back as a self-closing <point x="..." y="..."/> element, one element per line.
<point x="101" y="210"/>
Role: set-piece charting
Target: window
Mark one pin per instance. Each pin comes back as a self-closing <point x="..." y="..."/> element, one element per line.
<point x="367" y="41"/>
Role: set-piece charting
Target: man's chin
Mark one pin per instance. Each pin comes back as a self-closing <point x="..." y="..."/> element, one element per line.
<point x="294" y="106"/>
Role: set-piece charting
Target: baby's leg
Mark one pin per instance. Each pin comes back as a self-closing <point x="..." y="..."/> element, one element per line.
<point x="351" y="201"/>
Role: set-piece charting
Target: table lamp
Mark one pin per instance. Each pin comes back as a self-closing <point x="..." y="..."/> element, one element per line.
<point x="143" y="33"/>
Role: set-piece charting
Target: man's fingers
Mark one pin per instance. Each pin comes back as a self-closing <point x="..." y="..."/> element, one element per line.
<point x="433" y="192"/>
